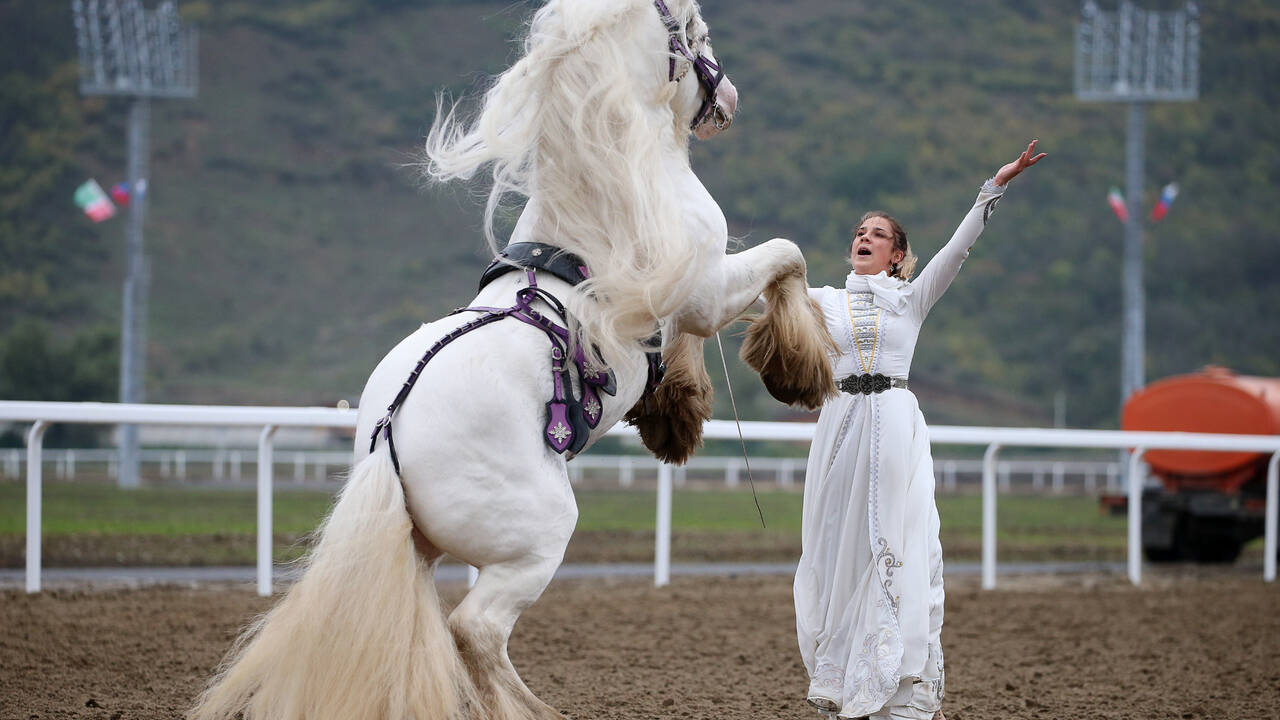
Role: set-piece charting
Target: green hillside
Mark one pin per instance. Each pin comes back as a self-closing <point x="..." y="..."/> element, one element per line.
<point x="291" y="245"/>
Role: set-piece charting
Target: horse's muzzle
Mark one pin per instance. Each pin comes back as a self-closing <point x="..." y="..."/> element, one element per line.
<point x="721" y="116"/>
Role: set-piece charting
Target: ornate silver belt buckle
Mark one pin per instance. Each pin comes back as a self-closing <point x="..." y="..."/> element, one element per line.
<point x="880" y="383"/>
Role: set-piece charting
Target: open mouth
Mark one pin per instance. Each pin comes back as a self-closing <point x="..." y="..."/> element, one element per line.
<point x="864" y="251"/>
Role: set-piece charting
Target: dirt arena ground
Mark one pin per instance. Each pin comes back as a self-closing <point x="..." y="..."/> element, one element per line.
<point x="1188" y="644"/>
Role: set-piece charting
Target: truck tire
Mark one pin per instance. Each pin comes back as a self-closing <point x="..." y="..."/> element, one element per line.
<point x="1162" y="555"/>
<point x="1200" y="543"/>
<point x="1219" y="550"/>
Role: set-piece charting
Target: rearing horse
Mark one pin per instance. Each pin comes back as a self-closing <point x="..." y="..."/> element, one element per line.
<point x="592" y="126"/>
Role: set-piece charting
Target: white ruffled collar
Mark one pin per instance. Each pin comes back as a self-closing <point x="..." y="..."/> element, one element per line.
<point x="890" y="293"/>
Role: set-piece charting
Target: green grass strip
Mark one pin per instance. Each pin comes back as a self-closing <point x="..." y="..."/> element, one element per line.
<point x="99" y="509"/>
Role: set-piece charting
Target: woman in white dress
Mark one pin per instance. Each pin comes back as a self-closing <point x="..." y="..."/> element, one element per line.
<point x="868" y="590"/>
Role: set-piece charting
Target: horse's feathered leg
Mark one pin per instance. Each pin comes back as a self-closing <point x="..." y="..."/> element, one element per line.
<point x="670" y="420"/>
<point x="789" y="345"/>
<point x="483" y="621"/>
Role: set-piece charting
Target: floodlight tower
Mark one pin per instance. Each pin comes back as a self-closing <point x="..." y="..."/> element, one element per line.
<point x="1136" y="56"/>
<point x="126" y="50"/>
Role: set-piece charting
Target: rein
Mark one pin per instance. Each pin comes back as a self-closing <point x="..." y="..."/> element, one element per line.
<point x="708" y="71"/>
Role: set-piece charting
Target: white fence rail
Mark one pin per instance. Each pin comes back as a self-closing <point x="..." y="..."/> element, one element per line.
<point x="314" y="466"/>
<point x="41" y="414"/>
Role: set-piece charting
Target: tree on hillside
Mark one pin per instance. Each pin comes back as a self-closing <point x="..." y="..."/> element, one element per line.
<point x="84" y="369"/>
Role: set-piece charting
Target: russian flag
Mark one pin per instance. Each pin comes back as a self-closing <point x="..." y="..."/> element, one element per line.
<point x="1116" y="201"/>
<point x="1167" y="195"/>
<point x="120" y="193"/>
<point x="94" y="201"/>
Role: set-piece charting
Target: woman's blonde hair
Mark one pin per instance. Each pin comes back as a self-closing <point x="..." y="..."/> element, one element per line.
<point x="907" y="267"/>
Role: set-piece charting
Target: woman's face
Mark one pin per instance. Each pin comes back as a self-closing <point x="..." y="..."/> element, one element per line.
<point x="872" y="249"/>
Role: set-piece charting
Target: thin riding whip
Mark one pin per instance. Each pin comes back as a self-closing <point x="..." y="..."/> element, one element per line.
<point x="750" y="480"/>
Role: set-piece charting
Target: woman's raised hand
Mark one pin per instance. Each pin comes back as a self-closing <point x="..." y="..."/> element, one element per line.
<point x="1024" y="161"/>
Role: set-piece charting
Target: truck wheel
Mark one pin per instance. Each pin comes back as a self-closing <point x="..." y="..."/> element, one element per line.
<point x="1162" y="555"/>
<point x="1220" y="550"/>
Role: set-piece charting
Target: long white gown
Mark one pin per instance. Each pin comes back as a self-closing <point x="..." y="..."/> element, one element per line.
<point x="868" y="589"/>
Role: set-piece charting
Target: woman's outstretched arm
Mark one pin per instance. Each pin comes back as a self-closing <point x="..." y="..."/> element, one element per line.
<point x="942" y="269"/>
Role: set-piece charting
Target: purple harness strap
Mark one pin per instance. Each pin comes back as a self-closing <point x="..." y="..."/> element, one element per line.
<point x="569" y="420"/>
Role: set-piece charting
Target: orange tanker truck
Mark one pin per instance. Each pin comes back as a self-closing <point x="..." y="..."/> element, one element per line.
<point x="1208" y="504"/>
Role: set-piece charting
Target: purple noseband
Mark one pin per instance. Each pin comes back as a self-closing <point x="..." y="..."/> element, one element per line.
<point x="708" y="72"/>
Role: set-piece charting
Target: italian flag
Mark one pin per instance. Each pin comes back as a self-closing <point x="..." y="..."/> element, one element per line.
<point x="1116" y="201"/>
<point x="94" y="202"/>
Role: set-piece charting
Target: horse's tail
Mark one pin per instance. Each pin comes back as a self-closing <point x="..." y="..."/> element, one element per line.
<point x="361" y="636"/>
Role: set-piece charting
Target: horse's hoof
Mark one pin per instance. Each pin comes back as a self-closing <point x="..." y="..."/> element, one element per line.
<point x="790" y="351"/>
<point x="804" y="381"/>
<point x="784" y="390"/>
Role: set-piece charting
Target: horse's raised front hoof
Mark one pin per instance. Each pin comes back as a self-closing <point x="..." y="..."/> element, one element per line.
<point x="670" y="421"/>
<point x="791" y="356"/>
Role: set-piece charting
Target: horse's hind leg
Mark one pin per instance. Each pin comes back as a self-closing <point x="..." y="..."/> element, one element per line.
<point x="483" y="621"/>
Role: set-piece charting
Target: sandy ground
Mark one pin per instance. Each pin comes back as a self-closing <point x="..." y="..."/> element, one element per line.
<point x="1191" y="643"/>
<point x="590" y="546"/>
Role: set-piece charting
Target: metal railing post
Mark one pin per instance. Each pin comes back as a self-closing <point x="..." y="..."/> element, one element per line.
<point x="626" y="473"/>
<point x="662" y="537"/>
<point x="1136" y="478"/>
<point x="265" y="467"/>
<point x="35" y="442"/>
<point x="1273" y="509"/>
<point x="989" y="517"/>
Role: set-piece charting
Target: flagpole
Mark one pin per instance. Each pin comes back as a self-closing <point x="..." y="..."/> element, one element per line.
<point x="128" y="50"/>
<point x="133" y="331"/>
<point x="1136" y="56"/>
<point x="1132" y="372"/>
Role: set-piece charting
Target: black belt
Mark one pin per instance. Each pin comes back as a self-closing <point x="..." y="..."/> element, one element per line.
<point x="867" y="384"/>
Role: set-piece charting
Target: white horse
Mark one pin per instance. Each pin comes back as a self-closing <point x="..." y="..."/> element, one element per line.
<point x="592" y="126"/>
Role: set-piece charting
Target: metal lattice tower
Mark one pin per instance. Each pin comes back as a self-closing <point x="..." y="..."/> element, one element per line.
<point x="1133" y="55"/>
<point x="1138" y="57"/>
<point x="126" y="50"/>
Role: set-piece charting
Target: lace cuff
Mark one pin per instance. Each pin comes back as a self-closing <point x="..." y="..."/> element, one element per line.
<point x="991" y="187"/>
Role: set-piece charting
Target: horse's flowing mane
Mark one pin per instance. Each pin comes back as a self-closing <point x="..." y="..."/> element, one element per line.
<point x="582" y="124"/>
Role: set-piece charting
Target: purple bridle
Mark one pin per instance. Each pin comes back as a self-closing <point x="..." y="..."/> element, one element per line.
<point x="708" y="72"/>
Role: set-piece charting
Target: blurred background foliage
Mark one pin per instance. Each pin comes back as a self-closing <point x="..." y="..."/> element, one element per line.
<point x="292" y="244"/>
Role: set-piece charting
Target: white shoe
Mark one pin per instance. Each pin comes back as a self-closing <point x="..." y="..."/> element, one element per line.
<point x="823" y="702"/>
